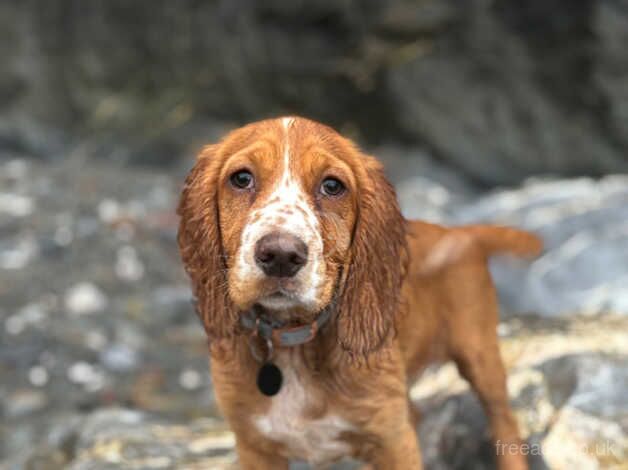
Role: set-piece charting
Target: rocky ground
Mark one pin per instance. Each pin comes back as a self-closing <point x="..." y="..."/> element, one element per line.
<point x="103" y="363"/>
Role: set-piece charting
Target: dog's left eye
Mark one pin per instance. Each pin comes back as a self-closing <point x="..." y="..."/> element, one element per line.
<point x="332" y="187"/>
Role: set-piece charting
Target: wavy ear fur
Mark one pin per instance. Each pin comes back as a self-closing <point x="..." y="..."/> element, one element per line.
<point x="201" y="249"/>
<point x="370" y="295"/>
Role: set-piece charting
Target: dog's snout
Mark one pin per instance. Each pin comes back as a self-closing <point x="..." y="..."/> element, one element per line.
<point x="280" y="254"/>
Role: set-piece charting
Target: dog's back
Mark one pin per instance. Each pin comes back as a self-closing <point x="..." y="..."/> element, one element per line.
<point x="449" y="299"/>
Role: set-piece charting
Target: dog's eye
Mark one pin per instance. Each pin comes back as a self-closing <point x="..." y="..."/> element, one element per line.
<point x="332" y="187"/>
<point x="242" y="179"/>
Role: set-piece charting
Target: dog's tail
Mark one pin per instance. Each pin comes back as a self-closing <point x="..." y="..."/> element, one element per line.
<point x="496" y="239"/>
<point x="453" y="244"/>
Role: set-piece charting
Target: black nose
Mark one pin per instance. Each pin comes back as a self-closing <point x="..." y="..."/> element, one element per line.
<point x="280" y="254"/>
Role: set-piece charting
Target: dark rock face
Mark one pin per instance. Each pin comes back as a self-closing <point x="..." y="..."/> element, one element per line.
<point x="519" y="89"/>
<point x="500" y="89"/>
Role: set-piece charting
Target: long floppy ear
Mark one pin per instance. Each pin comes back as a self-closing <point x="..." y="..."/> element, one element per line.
<point x="370" y="295"/>
<point x="201" y="249"/>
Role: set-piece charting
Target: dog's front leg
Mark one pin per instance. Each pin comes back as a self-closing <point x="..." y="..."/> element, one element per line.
<point x="400" y="452"/>
<point x="251" y="458"/>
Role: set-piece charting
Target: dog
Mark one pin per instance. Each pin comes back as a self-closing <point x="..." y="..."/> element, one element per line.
<point x="322" y="304"/>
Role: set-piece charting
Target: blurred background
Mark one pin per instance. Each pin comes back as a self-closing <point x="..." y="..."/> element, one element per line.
<point x="508" y="111"/>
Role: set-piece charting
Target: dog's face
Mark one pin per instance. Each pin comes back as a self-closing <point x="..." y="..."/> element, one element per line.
<point x="287" y="208"/>
<point x="287" y="214"/>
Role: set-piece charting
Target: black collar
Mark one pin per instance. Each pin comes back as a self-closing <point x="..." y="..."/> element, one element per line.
<point x="279" y="336"/>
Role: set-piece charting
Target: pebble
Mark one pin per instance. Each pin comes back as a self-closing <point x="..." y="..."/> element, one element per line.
<point x="38" y="376"/>
<point x="128" y="265"/>
<point x="120" y="358"/>
<point x="85" y="298"/>
<point x="63" y="236"/>
<point x="16" y="205"/>
<point x="14" y="325"/>
<point x="87" y="375"/>
<point x="108" y="210"/>
<point x="30" y="314"/>
<point x="19" y="255"/>
<point x="190" y="379"/>
<point x="16" y="169"/>
<point x="24" y="402"/>
<point x="503" y="330"/>
<point x="95" y="340"/>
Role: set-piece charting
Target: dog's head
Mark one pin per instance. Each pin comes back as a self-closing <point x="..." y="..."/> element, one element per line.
<point x="288" y="215"/>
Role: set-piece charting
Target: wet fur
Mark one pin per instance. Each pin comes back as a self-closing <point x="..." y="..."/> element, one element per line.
<point x="405" y="293"/>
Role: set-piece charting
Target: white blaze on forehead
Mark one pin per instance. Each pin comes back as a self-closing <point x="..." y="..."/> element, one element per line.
<point x="287" y="122"/>
<point x="286" y="209"/>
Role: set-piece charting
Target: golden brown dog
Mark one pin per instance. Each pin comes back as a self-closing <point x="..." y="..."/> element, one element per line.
<point x="322" y="303"/>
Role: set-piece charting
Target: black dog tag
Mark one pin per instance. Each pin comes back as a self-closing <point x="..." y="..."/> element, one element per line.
<point x="269" y="379"/>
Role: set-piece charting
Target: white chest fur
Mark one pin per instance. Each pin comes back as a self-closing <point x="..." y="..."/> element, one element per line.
<point x="314" y="440"/>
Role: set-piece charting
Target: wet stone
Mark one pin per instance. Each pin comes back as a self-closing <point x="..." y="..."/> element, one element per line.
<point x="85" y="298"/>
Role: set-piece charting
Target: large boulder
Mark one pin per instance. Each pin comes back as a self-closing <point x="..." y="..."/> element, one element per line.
<point x="584" y="267"/>
<point x="567" y="381"/>
<point x="514" y="88"/>
<point x="582" y="221"/>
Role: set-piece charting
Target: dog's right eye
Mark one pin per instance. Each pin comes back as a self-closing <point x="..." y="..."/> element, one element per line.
<point x="242" y="179"/>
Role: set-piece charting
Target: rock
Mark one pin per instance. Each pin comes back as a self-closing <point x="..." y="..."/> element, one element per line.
<point x="62" y="373"/>
<point x="16" y="254"/>
<point x="567" y="388"/>
<point x="85" y="298"/>
<point x="589" y="390"/>
<point x="190" y="379"/>
<point x="582" y="221"/>
<point x="128" y="265"/>
<point x="584" y="267"/>
<point x="109" y="210"/>
<point x="120" y="358"/>
<point x="28" y="316"/>
<point x="87" y="375"/>
<point x="15" y="205"/>
<point x="567" y="381"/>
<point x="126" y="439"/>
<point x="24" y="402"/>
<point x="38" y="376"/>
<point x="499" y="90"/>
<point x="494" y="100"/>
<point x="427" y="189"/>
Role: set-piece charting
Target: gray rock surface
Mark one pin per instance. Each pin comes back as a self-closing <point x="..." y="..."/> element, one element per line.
<point x="75" y="336"/>
<point x="583" y="223"/>
<point x="499" y="90"/>
<point x="120" y="379"/>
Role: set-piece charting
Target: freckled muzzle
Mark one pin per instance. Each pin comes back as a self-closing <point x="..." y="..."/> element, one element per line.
<point x="280" y="254"/>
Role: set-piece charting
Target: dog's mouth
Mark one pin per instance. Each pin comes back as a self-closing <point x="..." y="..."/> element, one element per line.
<point x="281" y="289"/>
<point x="284" y="297"/>
<point x="280" y="294"/>
<point x="280" y="299"/>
